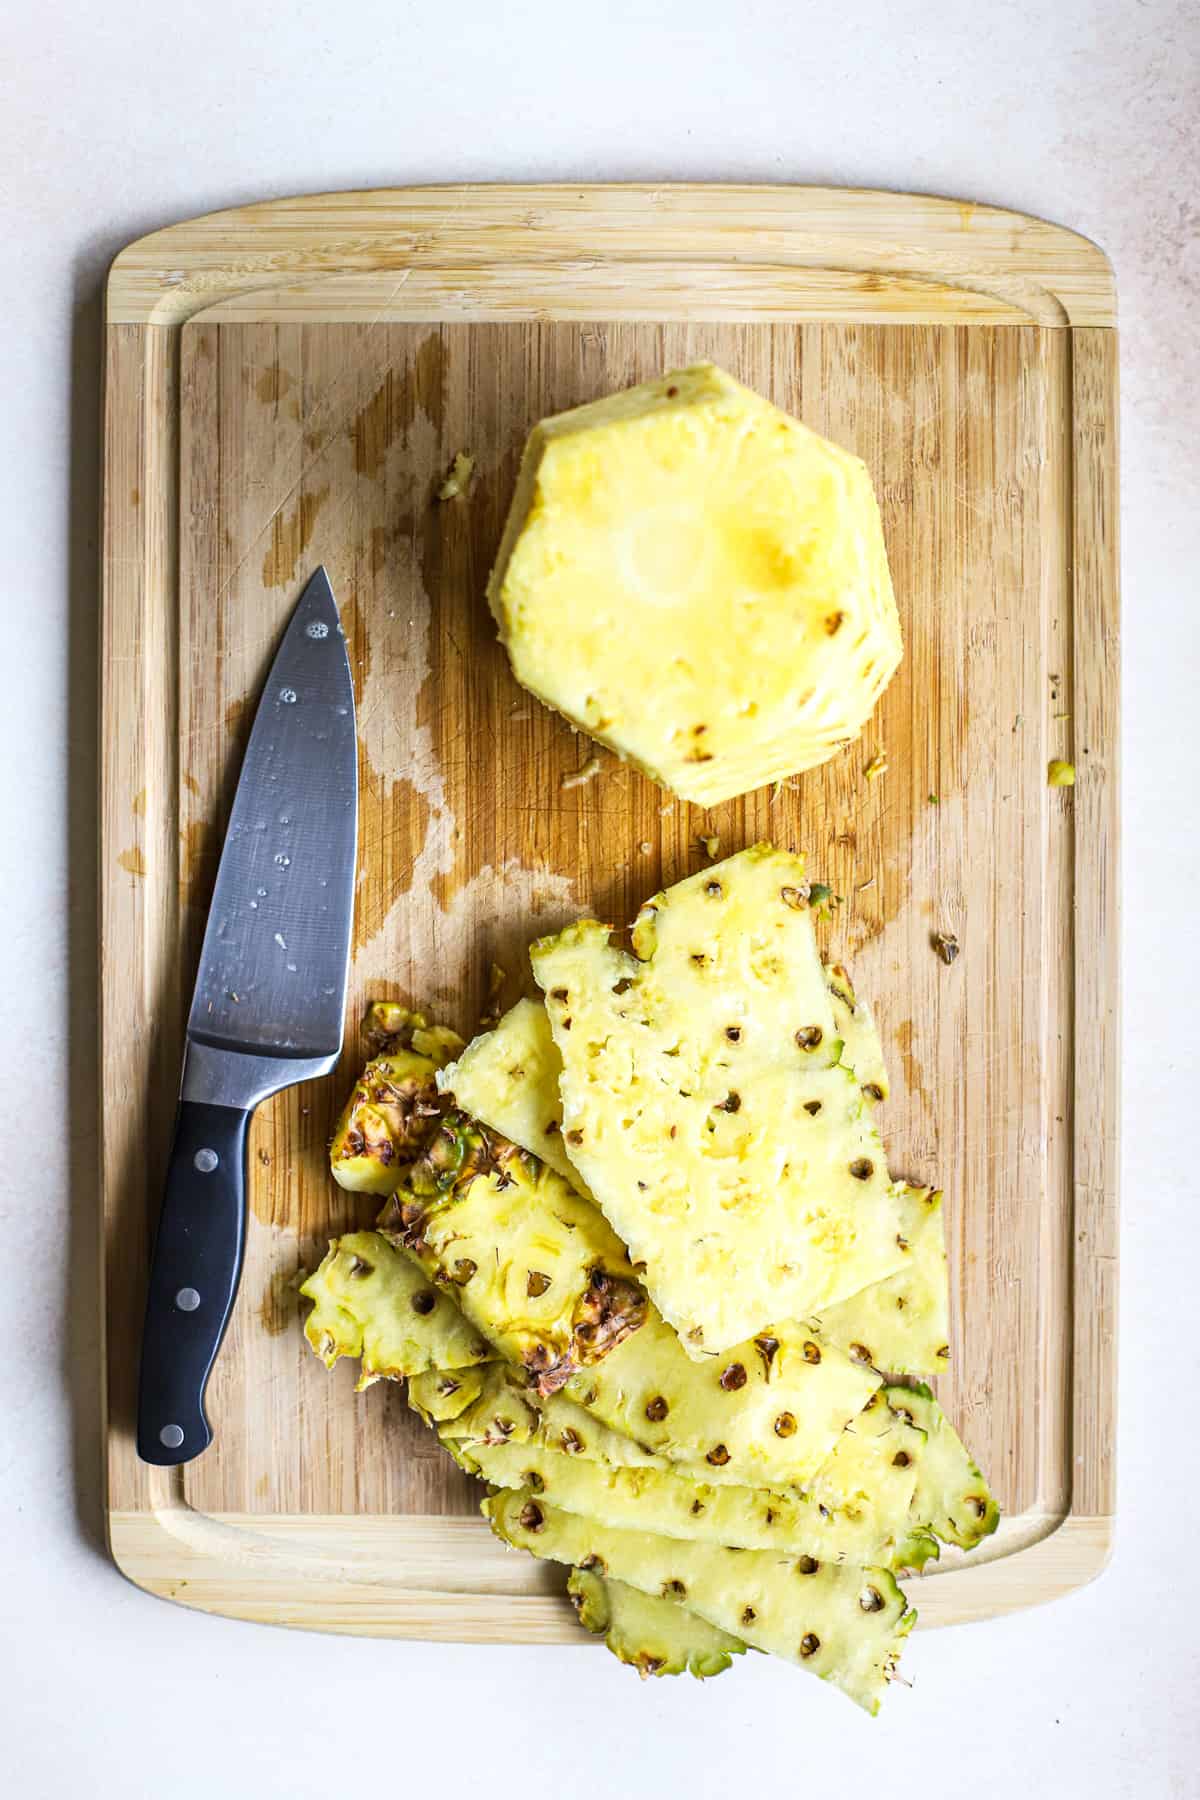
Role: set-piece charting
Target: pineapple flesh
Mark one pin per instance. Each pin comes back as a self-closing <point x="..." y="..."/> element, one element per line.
<point x="698" y="581"/>
<point x="370" y="1301"/>
<point x="840" y="1621"/>
<point x="653" y="1635"/>
<point x="706" y="1108"/>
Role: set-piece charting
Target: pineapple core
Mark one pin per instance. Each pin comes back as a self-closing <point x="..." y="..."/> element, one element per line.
<point x="698" y="581"/>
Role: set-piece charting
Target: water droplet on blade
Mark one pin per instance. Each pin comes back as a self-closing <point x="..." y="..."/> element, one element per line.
<point x="283" y="861"/>
<point x="288" y="696"/>
<point x="316" y="628"/>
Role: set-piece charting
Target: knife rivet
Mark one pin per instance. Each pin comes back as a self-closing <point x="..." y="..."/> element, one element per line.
<point x="187" y="1299"/>
<point x="206" y="1161"/>
<point x="171" y="1436"/>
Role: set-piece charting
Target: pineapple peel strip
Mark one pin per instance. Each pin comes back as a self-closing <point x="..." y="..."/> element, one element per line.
<point x="842" y="1622"/>
<point x="705" y="1106"/>
<point x="540" y="1273"/>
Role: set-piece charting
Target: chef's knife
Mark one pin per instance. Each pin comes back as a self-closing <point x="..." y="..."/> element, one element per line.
<point x="267" y="1008"/>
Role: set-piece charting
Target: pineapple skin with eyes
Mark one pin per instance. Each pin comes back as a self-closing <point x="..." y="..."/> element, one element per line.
<point x="699" y="582"/>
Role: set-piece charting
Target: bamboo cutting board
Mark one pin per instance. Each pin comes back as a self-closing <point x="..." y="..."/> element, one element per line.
<point x="286" y="385"/>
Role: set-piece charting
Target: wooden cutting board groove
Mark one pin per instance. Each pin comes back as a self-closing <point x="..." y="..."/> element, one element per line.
<point x="287" y="385"/>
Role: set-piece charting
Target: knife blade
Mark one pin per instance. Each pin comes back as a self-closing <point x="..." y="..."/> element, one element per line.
<point x="267" y="1009"/>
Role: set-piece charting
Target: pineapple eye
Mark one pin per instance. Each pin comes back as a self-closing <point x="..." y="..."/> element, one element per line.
<point x="533" y="1481"/>
<point x="718" y="1456"/>
<point x="536" y="1284"/>
<point x="571" y="1441"/>
<point x="559" y="994"/>
<point x="424" y="1302"/>
<point x="360" y="1268"/>
<point x="734" y="1033"/>
<point x="807" y="1565"/>
<point x="767" y="1348"/>
<point x="785" y="1425"/>
<point x="812" y="1352"/>
<point x="862" y="1168"/>
<point x="860" y="1353"/>
<point x="834" y="623"/>
<point x="809" y="1036"/>
<point x="871" y="1600"/>
<point x="731" y="1103"/>
<point x="657" y="1409"/>
<point x="464" y="1268"/>
<point x="794" y="897"/>
<point x="594" y="1564"/>
<point x="713" y="889"/>
<point x="674" y="1590"/>
<point x="944" y="1353"/>
<point x="531" y="1517"/>
<point x="901" y="1459"/>
<point x="813" y="1107"/>
<point x="810" y="1643"/>
<point x="733" y="1378"/>
<point x="977" y="1506"/>
<point x="697" y="1506"/>
<point x="575" y="1136"/>
<point x="748" y="1615"/>
<point x="873" y="1091"/>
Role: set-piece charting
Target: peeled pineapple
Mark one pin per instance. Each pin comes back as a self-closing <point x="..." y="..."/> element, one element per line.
<point x="706" y="1108"/>
<point x="699" y="581"/>
<point x="839" y="1621"/>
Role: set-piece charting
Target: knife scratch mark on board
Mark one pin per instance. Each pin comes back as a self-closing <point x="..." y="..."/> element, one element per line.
<point x="290" y="536"/>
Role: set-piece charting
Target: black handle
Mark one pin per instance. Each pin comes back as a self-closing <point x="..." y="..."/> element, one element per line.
<point x="193" y="1279"/>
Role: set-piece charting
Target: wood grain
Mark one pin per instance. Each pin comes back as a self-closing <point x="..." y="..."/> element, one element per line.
<point x="251" y="438"/>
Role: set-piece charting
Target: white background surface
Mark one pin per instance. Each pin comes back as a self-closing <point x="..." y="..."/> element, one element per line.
<point x="118" y="118"/>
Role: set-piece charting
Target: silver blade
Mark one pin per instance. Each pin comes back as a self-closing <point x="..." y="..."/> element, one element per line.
<point x="273" y="968"/>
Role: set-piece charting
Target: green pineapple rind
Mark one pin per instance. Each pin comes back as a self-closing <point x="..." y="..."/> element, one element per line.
<point x="837" y="1620"/>
<point x="952" y="1499"/>
<point x="652" y="1635"/>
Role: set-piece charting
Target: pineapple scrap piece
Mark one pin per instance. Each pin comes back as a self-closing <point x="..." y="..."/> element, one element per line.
<point x="493" y="1408"/>
<point x="901" y="1324"/>
<point x="540" y="1273"/>
<point x="369" y="1301"/>
<point x="508" y="1078"/>
<point x="535" y="1266"/>
<point x="653" y="1635"/>
<point x="705" y="1106"/>
<point x="698" y="581"/>
<point x="854" y="1023"/>
<point x="839" y="1621"/>
<point x="395" y="1102"/>
<point x="386" y="1119"/>
<point x="952" y="1500"/>
<point x="857" y="1508"/>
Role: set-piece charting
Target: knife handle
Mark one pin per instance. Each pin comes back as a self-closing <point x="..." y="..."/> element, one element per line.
<point x="193" y="1279"/>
